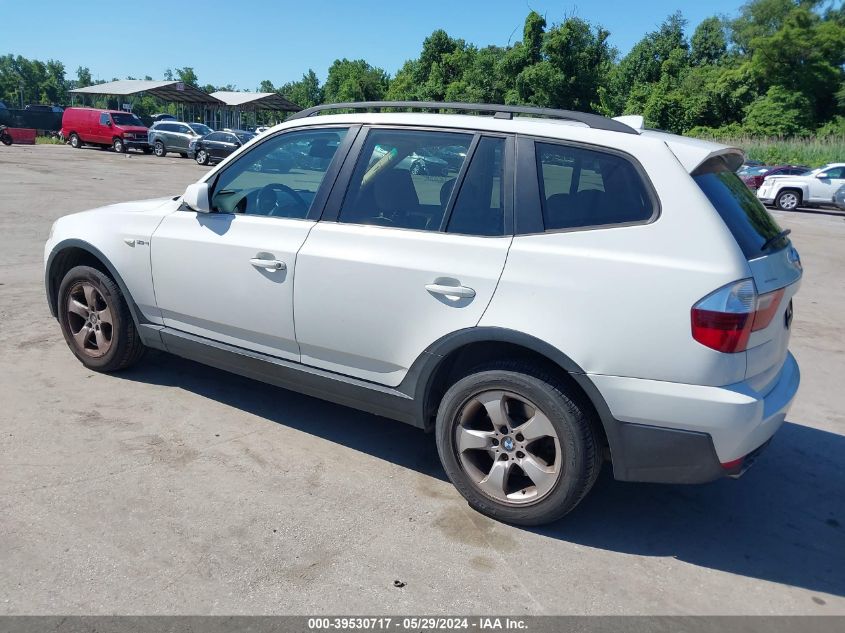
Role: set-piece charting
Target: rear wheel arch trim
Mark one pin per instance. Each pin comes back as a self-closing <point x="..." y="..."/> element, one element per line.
<point x="51" y="283"/>
<point x="419" y="380"/>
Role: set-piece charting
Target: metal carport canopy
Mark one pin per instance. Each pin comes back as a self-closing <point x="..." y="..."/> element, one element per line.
<point x="172" y="91"/>
<point x="256" y="101"/>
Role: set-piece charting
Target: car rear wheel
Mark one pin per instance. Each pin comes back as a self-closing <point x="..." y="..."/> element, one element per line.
<point x="159" y="149"/>
<point x="118" y="145"/>
<point x="202" y="157"/>
<point x="788" y="200"/>
<point x="517" y="444"/>
<point x="96" y="321"/>
<point x="75" y="141"/>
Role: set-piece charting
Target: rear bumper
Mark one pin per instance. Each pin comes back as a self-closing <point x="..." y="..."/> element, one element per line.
<point x="671" y="432"/>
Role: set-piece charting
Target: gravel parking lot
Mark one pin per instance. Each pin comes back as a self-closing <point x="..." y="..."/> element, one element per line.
<point x="176" y="488"/>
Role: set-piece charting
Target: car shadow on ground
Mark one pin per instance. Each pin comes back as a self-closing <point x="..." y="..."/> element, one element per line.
<point x="816" y="211"/>
<point x="783" y="521"/>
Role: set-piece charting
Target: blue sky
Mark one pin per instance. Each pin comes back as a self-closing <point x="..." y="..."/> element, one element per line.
<point x="244" y="41"/>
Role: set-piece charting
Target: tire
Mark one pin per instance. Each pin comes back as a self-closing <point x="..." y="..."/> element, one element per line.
<point x="568" y="452"/>
<point x="6" y="138"/>
<point x="788" y="200"/>
<point x="100" y="346"/>
<point x="147" y="150"/>
<point x="418" y="168"/>
<point x="202" y="157"/>
<point x="183" y="154"/>
<point x="159" y="149"/>
<point x="75" y="141"/>
<point x="118" y="145"/>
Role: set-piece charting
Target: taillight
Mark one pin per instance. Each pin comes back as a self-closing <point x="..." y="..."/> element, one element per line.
<point x="725" y="319"/>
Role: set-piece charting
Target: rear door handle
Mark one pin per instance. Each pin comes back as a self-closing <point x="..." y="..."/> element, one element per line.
<point x="272" y="264"/>
<point x="451" y="291"/>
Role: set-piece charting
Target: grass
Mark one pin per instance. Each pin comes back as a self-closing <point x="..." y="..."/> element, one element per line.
<point x="48" y="140"/>
<point x="811" y="151"/>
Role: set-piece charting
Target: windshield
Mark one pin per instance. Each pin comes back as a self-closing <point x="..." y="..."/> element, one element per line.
<point x="747" y="219"/>
<point x="126" y="118"/>
<point x="200" y="129"/>
<point x="755" y="171"/>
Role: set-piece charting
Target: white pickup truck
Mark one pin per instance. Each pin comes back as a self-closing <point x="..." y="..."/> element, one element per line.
<point x="815" y="188"/>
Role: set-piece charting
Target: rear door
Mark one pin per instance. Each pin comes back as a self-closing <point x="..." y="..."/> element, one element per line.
<point x="401" y="259"/>
<point x="774" y="263"/>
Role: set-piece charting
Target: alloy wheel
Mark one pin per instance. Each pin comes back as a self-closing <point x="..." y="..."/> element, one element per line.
<point x="788" y="201"/>
<point x="507" y="447"/>
<point x="90" y="320"/>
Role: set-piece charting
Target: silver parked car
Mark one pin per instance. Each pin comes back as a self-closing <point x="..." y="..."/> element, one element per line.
<point x="175" y="136"/>
<point x="839" y="198"/>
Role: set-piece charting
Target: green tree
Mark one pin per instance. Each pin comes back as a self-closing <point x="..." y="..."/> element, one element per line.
<point x="780" y="112"/>
<point x="187" y="76"/>
<point x="83" y="77"/>
<point x="305" y="93"/>
<point x="354" y="80"/>
<point x="709" y="43"/>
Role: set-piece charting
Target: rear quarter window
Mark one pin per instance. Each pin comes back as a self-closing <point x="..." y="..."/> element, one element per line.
<point x="745" y="216"/>
<point x="581" y="187"/>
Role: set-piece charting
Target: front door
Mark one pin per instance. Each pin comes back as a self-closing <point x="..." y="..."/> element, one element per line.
<point x="825" y="184"/>
<point x="410" y="255"/>
<point x="228" y="275"/>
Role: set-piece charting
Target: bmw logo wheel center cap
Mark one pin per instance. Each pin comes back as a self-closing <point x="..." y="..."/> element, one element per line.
<point x="508" y="444"/>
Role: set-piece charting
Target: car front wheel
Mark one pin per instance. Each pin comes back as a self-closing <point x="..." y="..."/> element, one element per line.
<point x="517" y="444"/>
<point x="202" y="157"/>
<point x="96" y="322"/>
<point x="118" y="145"/>
<point x="159" y="149"/>
<point x="788" y="200"/>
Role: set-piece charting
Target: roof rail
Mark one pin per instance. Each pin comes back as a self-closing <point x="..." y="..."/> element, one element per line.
<point x="594" y="121"/>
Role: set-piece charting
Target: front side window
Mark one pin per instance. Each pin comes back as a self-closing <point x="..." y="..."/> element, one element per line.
<point x="835" y="172"/>
<point x="280" y="177"/>
<point x="104" y="119"/>
<point x="403" y="179"/>
<point x="582" y="187"/>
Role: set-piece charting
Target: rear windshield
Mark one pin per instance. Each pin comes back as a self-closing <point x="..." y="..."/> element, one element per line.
<point x="747" y="219"/>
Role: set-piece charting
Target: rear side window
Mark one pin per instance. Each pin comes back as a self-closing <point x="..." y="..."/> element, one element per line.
<point x="746" y="218"/>
<point x="479" y="208"/>
<point x="582" y="187"/>
<point x="404" y="179"/>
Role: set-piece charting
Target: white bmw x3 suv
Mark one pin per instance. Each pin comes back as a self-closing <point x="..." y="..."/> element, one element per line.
<point x="561" y="290"/>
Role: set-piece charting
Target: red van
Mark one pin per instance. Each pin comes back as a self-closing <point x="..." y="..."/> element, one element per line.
<point x="89" y="126"/>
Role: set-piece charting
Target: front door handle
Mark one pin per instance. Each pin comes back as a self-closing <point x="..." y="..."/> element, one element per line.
<point x="451" y="291"/>
<point x="272" y="264"/>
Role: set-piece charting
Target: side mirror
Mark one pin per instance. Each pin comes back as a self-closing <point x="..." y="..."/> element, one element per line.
<point x="196" y="197"/>
<point x="108" y="122"/>
<point x="821" y="176"/>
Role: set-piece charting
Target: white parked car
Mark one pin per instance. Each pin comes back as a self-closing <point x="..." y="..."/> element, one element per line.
<point x="811" y="189"/>
<point x="573" y="290"/>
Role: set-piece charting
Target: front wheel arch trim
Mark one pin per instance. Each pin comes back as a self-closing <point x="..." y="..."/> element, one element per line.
<point x="51" y="283"/>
